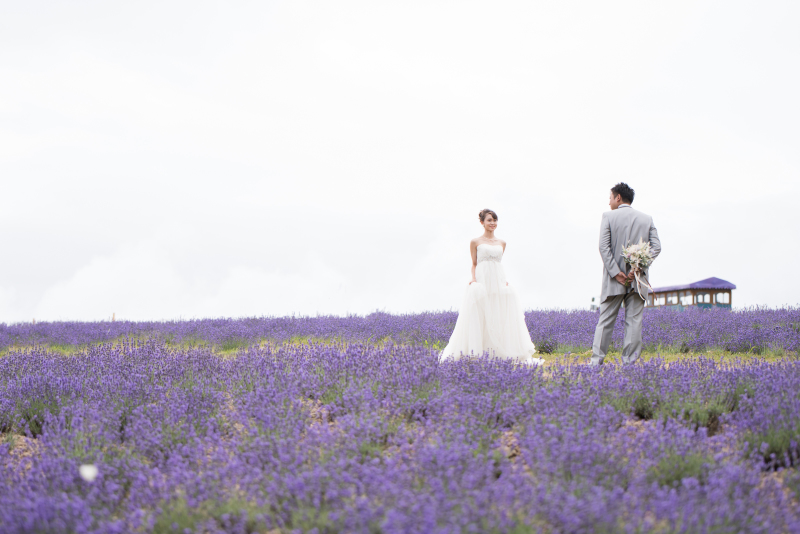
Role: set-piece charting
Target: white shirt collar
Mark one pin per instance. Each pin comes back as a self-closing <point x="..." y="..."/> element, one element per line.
<point x="623" y="206"/>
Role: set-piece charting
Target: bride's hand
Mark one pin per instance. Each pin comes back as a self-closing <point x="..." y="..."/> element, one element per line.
<point x="506" y="283"/>
<point x="473" y="282"/>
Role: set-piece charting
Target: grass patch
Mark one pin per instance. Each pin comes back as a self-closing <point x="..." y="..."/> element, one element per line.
<point x="333" y="394"/>
<point x="648" y="400"/>
<point x="10" y="439"/>
<point x="792" y="481"/>
<point x="778" y="447"/>
<point x="238" y="514"/>
<point x="435" y="345"/>
<point x="31" y="414"/>
<point x="673" y="468"/>
<point x="546" y="346"/>
<point x="233" y="344"/>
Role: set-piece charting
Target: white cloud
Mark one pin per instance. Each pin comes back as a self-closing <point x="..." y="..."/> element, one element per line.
<point x="127" y="283"/>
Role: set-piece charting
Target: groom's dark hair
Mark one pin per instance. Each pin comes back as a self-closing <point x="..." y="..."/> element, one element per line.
<point x="624" y="191"/>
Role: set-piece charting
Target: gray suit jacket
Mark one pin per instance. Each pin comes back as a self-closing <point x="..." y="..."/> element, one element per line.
<point x="618" y="229"/>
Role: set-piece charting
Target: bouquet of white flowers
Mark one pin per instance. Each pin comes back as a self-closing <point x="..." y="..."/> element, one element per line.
<point x="639" y="257"/>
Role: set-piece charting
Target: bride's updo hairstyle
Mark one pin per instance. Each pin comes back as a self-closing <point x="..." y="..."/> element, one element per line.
<point x="482" y="215"/>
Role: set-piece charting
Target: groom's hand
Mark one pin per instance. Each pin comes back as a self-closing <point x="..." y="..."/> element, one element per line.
<point x="621" y="278"/>
<point x="631" y="276"/>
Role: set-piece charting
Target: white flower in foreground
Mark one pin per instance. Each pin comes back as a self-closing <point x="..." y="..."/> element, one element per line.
<point x="88" y="472"/>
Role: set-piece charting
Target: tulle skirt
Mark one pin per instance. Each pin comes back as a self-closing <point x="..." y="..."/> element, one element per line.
<point x="491" y="319"/>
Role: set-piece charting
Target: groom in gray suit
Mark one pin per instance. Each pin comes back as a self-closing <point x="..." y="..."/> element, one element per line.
<point x="620" y="227"/>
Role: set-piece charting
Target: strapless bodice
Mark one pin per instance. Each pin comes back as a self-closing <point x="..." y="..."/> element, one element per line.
<point x="488" y="252"/>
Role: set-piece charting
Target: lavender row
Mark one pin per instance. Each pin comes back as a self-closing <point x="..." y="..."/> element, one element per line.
<point x="749" y="330"/>
<point x="358" y="438"/>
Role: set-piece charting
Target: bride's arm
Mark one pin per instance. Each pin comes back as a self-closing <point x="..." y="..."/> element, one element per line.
<point x="473" y="250"/>
<point x="504" y="251"/>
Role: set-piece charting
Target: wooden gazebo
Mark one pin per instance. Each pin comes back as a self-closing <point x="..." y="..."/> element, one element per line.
<point x="708" y="293"/>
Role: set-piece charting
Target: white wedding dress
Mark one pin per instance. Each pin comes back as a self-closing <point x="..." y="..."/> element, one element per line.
<point x="491" y="318"/>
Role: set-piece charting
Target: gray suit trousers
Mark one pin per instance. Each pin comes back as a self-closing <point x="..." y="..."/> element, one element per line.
<point x="632" y="345"/>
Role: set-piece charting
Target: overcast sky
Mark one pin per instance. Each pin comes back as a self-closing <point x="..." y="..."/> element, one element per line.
<point x="205" y="159"/>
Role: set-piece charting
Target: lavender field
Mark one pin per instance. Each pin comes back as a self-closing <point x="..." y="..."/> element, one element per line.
<point x="352" y="425"/>
<point x="754" y="330"/>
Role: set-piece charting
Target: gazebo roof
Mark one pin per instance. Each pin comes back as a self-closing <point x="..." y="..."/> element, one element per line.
<point x="708" y="283"/>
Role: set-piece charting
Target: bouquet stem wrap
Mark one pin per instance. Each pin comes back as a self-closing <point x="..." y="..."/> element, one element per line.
<point x="640" y="280"/>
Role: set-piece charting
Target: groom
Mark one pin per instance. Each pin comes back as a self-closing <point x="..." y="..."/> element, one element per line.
<point x="620" y="227"/>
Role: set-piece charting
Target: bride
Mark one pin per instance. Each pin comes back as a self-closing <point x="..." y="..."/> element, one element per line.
<point x="491" y="318"/>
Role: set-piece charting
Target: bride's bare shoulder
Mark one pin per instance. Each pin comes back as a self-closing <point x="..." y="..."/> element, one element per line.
<point x="475" y="241"/>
